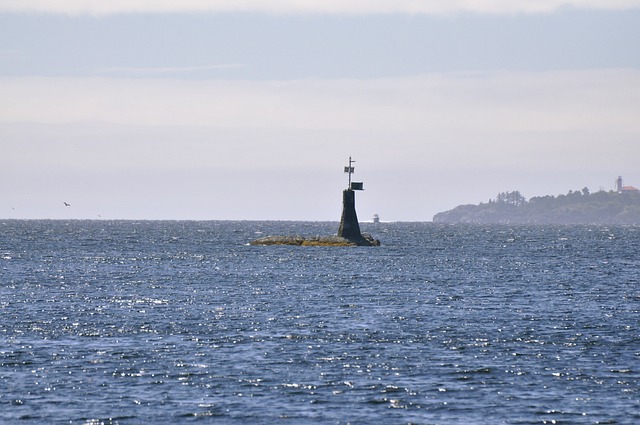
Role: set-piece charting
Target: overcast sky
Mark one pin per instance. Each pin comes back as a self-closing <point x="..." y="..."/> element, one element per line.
<point x="196" y="109"/>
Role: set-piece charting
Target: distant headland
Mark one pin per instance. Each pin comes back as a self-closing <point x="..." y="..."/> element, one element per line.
<point x="348" y="233"/>
<point x="620" y="206"/>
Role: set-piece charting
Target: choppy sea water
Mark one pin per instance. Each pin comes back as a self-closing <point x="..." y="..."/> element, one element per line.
<point x="129" y="322"/>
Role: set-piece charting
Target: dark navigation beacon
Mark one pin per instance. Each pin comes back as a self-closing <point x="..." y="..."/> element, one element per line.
<point x="348" y="233"/>
<point x="349" y="226"/>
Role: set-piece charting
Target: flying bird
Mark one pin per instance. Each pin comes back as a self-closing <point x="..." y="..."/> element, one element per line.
<point x="66" y="205"/>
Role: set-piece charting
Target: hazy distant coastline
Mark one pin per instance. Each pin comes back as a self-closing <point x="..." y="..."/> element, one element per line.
<point x="579" y="207"/>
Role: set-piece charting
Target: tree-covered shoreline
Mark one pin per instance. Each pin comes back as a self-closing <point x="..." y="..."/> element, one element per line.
<point x="576" y="207"/>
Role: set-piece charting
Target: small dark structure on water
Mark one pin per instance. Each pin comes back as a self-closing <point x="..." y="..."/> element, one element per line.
<point x="349" y="226"/>
<point x="348" y="233"/>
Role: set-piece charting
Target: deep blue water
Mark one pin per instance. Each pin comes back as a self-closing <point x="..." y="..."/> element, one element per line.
<point x="129" y="322"/>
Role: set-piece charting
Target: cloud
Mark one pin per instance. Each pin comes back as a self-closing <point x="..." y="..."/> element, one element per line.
<point x="353" y="7"/>
<point x="146" y="71"/>
<point x="540" y="133"/>
<point x="514" y="101"/>
<point x="427" y="120"/>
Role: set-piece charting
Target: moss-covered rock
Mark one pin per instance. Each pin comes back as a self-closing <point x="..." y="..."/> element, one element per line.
<point x="366" y="240"/>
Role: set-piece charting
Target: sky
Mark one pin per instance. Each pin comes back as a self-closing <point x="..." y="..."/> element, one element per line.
<point x="250" y="109"/>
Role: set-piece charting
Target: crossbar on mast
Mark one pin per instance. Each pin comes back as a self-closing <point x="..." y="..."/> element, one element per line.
<point x="350" y="170"/>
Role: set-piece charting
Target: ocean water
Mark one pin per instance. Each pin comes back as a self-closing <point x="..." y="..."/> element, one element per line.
<point x="124" y="322"/>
